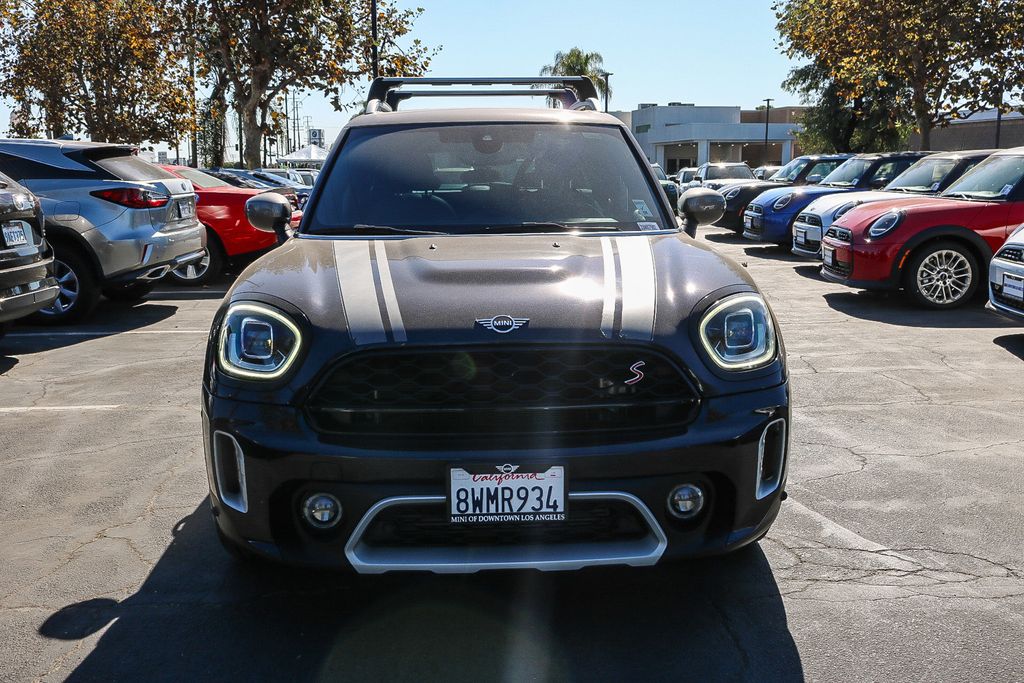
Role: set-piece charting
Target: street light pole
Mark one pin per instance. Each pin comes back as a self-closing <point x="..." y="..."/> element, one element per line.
<point x="999" y="114"/>
<point x="606" y="74"/>
<point x="767" y="111"/>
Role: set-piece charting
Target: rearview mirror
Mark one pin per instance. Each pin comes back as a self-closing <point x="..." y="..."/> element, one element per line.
<point x="878" y="183"/>
<point x="269" y="212"/>
<point x="700" y="206"/>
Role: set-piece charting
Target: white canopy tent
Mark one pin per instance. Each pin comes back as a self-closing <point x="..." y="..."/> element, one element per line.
<point x="310" y="154"/>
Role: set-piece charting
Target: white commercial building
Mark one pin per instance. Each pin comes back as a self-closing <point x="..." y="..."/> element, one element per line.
<point x="679" y="135"/>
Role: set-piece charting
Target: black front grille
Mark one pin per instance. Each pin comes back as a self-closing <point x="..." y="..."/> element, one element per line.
<point x="1015" y="304"/>
<point x="485" y="391"/>
<point x="837" y="268"/>
<point x="809" y="219"/>
<point x="1011" y="254"/>
<point x="841" y="234"/>
<point x="590" y="521"/>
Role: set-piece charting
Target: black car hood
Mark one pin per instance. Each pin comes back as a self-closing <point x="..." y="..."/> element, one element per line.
<point x="540" y="288"/>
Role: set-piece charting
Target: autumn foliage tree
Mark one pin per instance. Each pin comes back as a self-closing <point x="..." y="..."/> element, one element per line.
<point x="109" y="68"/>
<point x="267" y="47"/>
<point x="952" y="57"/>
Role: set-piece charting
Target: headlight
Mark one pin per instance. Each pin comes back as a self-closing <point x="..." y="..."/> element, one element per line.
<point x="885" y="224"/>
<point x="738" y="334"/>
<point x="733" y="193"/>
<point x="257" y="341"/>
<point x="23" y="202"/>
<point x="782" y="202"/>
<point x="843" y="209"/>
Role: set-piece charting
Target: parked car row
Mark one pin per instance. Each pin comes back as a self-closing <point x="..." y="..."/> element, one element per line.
<point x="926" y="223"/>
<point x="83" y="220"/>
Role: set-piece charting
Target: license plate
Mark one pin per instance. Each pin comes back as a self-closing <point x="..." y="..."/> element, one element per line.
<point x="801" y="237"/>
<point x="186" y="210"/>
<point x="829" y="256"/>
<point x="14" y="235"/>
<point x="506" y="493"/>
<point x="747" y="221"/>
<point x="1013" y="287"/>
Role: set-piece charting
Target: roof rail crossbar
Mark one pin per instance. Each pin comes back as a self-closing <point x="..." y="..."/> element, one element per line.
<point x="575" y="92"/>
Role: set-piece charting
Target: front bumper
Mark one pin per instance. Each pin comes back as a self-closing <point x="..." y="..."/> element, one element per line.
<point x="998" y="299"/>
<point x="807" y="239"/>
<point x="26" y="284"/>
<point x="773" y="227"/>
<point x="862" y="266"/>
<point x="279" y="461"/>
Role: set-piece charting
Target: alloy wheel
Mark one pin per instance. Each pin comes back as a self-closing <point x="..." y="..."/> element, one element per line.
<point x="194" y="270"/>
<point x="70" y="288"/>
<point x="944" y="277"/>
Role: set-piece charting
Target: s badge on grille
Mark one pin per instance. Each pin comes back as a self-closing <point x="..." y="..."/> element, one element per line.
<point x="637" y="374"/>
<point x="502" y="324"/>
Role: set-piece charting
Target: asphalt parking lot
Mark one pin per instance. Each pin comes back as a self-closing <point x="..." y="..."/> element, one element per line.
<point x="899" y="554"/>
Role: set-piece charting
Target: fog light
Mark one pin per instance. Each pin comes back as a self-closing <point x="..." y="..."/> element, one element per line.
<point x="322" y="510"/>
<point x="686" y="501"/>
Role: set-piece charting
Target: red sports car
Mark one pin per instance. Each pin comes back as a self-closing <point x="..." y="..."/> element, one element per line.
<point x="221" y="208"/>
<point x="935" y="248"/>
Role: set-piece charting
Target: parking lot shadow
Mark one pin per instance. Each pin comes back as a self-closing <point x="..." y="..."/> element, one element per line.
<point x="198" y="615"/>
<point x="1014" y="343"/>
<point x="110" y="318"/>
<point x="895" y="308"/>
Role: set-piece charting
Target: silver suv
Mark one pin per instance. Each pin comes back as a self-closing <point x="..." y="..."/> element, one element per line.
<point x="116" y="222"/>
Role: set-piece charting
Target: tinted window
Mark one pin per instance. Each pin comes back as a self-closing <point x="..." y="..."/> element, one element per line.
<point x="996" y="176"/>
<point x="479" y="177"/>
<point x="727" y="172"/>
<point x="21" y="168"/>
<point x="823" y="168"/>
<point x="200" y="179"/>
<point x="924" y="176"/>
<point x="888" y="170"/>
<point x="790" y="171"/>
<point x="847" y="173"/>
<point x="131" y="167"/>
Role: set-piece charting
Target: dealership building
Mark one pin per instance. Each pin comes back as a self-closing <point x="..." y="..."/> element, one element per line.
<point x="678" y="135"/>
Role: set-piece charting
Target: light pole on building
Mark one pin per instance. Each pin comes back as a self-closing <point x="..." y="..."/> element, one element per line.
<point x="606" y="75"/>
<point x="767" y="110"/>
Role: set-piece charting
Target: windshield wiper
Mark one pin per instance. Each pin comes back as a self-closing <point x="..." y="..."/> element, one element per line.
<point x="961" y="195"/>
<point x="362" y="227"/>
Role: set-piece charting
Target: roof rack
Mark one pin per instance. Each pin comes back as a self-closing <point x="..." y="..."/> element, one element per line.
<point x="574" y="92"/>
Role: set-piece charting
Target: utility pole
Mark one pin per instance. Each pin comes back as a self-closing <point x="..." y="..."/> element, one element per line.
<point x="241" y="153"/>
<point x="767" y="111"/>
<point x="373" y="32"/>
<point x="295" y="122"/>
<point x="192" y="74"/>
<point x="606" y="75"/>
<point x="287" y="126"/>
<point x="999" y="114"/>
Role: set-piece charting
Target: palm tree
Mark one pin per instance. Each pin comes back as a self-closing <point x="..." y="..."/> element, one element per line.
<point x="576" y="62"/>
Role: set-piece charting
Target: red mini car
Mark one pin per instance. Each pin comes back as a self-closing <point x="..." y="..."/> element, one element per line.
<point x="230" y="236"/>
<point x="935" y="248"/>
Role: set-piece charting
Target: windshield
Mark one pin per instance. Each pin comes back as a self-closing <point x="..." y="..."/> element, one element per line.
<point x="728" y="172"/>
<point x="276" y="181"/>
<point x="995" y="177"/>
<point x="200" y="179"/>
<point x="486" y="178"/>
<point x="660" y="173"/>
<point x="790" y="171"/>
<point x="924" y="176"/>
<point x="848" y="173"/>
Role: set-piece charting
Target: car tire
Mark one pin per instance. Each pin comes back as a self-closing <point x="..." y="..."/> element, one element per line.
<point x="205" y="271"/>
<point x="942" y="275"/>
<point x="79" y="289"/>
<point x="131" y="292"/>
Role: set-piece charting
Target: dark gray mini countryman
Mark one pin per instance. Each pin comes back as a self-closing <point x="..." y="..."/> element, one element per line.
<point x="491" y="345"/>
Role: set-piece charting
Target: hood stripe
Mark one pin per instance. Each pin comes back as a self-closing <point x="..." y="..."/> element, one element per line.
<point x="359" y="292"/>
<point x="387" y="287"/>
<point x="638" y="288"/>
<point x="610" y="288"/>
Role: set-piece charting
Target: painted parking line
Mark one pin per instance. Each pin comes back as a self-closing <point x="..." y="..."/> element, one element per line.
<point x="57" y="409"/>
<point x="101" y="333"/>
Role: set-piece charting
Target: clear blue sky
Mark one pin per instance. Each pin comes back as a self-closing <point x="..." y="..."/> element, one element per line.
<point x="721" y="52"/>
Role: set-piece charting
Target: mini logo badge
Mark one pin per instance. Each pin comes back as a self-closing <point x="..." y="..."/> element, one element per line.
<point x="506" y="468"/>
<point x="502" y="324"/>
<point x="637" y="374"/>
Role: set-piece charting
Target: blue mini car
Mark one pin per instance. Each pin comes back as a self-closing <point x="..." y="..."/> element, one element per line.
<point x="770" y="217"/>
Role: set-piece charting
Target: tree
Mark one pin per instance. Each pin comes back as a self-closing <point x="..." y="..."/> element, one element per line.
<point x="576" y="62"/>
<point x="877" y="120"/>
<point x="105" y="67"/>
<point x="948" y="55"/>
<point x="268" y="47"/>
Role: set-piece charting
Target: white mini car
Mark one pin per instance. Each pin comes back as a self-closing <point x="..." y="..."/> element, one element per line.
<point x="1006" y="278"/>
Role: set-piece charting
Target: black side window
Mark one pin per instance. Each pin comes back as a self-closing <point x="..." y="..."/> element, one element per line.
<point x="21" y="168"/>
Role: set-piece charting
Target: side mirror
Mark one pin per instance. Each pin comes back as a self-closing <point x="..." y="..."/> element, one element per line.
<point x="878" y="183"/>
<point x="269" y="212"/>
<point x="700" y="206"/>
<point x="815" y="179"/>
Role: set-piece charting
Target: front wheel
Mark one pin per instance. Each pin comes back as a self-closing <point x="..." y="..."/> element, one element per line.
<point x="942" y="275"/>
